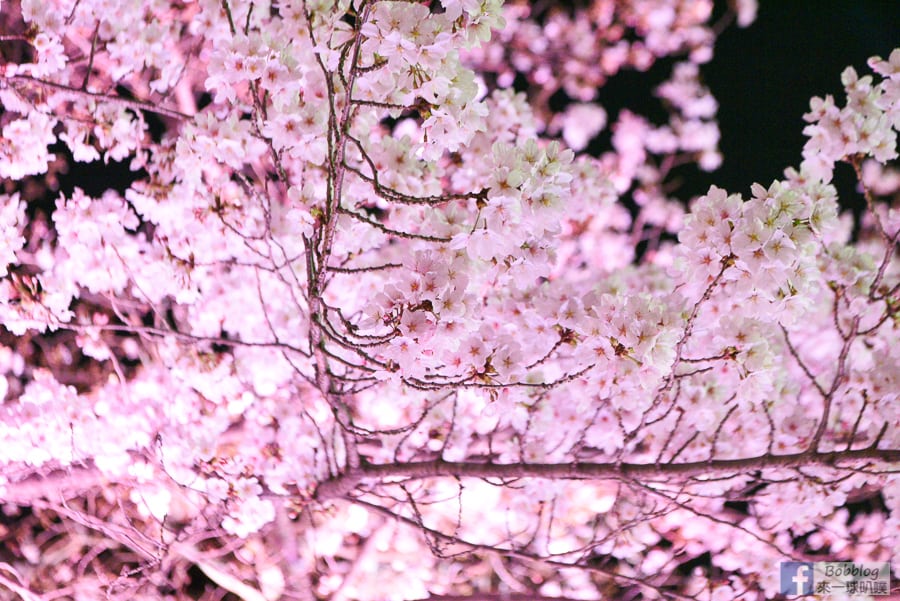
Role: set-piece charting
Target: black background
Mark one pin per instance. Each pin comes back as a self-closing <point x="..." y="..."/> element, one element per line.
<point x="763" y="77"/>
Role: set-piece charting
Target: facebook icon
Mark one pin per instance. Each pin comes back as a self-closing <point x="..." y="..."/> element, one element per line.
<point x="796" y="578"/>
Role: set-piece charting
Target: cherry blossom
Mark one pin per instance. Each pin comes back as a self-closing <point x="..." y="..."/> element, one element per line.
<point x="372" y="319"/>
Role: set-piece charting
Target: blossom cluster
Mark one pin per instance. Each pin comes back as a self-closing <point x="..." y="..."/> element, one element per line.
<point x="364" y="300"/>
<point x="865" y="126"/>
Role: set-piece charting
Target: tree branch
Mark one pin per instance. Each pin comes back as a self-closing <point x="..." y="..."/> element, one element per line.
<point x="135" y="105"/>
<point x="341" y="485"/>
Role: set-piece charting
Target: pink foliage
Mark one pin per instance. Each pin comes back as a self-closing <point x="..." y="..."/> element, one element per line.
<point x="370" y="324"/>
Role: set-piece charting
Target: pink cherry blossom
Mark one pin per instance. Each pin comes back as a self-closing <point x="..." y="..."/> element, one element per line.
<point x="377" y="318"/>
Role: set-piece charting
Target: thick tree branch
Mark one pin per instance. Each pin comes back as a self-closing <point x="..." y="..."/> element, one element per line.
<point x="340" y="486"/>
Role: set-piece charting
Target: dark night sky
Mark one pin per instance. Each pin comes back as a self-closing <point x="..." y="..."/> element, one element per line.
<point x="764" y="75"/>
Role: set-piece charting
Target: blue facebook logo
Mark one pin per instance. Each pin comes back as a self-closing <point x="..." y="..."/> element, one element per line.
<point x="796" y="578"/>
